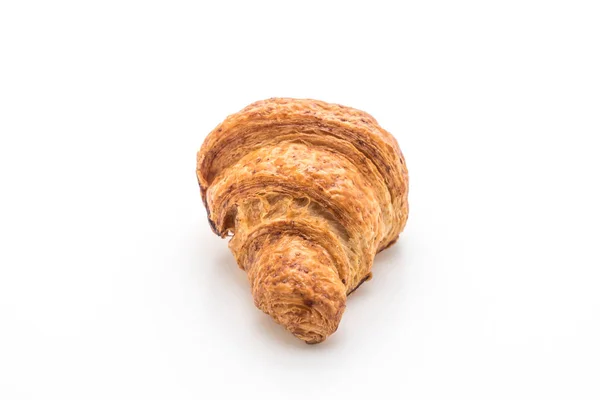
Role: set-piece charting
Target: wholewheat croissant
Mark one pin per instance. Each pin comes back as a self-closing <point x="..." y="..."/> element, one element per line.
<point x="310" y="192"/>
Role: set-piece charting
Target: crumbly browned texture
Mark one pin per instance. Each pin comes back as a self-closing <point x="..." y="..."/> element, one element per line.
<point x="310" y="191"/>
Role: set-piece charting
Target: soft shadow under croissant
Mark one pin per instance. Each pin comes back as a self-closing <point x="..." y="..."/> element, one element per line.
<point x="310" y="192"/>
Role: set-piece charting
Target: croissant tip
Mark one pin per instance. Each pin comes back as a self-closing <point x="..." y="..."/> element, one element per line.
<point x="312" y="337"/>
<point x="313" y="341"/>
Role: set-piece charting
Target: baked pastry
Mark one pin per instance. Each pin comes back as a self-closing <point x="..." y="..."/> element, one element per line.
<point x="309" y="192"/>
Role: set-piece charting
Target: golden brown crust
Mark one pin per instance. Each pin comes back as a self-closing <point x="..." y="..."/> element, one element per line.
<point x="310" y="191"/>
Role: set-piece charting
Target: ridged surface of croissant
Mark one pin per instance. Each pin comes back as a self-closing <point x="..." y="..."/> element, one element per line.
<point x="310" y="191"/>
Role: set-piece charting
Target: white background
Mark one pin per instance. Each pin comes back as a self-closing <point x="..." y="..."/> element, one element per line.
<point x="112" y="285"/>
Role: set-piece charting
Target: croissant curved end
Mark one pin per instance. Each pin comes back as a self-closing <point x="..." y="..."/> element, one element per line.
<point x="309" y="192"/>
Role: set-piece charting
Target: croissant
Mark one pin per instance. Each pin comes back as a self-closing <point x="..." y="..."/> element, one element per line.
<point x="309" y="192"/>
